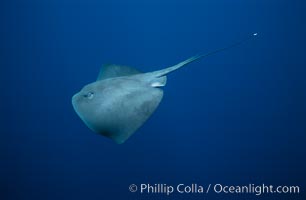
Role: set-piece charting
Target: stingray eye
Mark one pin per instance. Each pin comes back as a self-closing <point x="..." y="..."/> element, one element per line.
<point x="89" y="95"/>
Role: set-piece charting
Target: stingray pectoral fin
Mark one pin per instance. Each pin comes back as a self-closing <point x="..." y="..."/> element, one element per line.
<point x="128" y="110"/>
<point x="112" y="71"/>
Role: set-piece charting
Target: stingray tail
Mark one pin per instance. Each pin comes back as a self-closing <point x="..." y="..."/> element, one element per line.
<point x="168" y="70"/>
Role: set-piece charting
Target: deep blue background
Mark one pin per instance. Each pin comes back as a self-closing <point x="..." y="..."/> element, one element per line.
<point x="237" y="117"/>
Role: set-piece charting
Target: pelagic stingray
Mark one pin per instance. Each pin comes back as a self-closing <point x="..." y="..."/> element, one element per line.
<point x="123" y="98"/>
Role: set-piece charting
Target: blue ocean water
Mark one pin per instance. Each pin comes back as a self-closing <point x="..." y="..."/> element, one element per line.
<point x="235" y="118"/>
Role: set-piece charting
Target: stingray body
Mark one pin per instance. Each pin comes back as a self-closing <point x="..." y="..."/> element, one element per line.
<point x="122" y="98"/>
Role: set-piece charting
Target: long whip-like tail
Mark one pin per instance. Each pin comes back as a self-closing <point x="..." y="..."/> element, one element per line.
<point x="194" y="58"/>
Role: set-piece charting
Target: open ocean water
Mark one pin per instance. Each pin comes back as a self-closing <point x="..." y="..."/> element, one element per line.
<point x="235" y="118"/>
